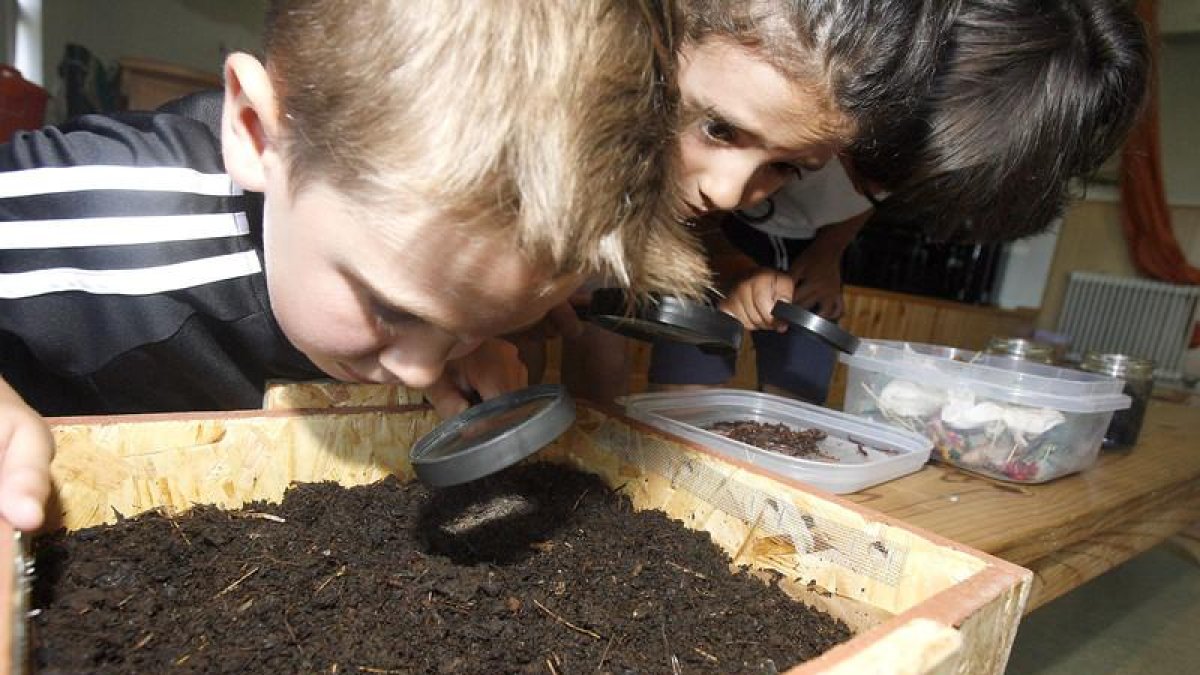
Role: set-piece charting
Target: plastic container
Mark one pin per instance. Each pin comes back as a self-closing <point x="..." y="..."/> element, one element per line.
<point x="857" y="453"/>
<point x="1006" y="418"/>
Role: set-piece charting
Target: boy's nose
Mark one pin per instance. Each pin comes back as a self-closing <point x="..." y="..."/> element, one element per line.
<point x="416" y="366"/>
<point x="738" y="187"/>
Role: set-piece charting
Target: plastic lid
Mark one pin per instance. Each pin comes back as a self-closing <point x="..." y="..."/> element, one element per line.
<point x="666" y="317"/>
<point x="495" y="434"/>
<point x="862" y="452"/>
<point x="829" y="332"/>
<point x="1021" y="348"/>
<point x="992" y="376"/>
<point x="1123" y="366"/>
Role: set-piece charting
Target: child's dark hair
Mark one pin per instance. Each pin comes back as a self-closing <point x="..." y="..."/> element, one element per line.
<point x="1027" y="95"/>
<point x="875" y="57"/>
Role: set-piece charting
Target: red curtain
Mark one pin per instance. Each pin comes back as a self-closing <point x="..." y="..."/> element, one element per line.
<point x="1144" y="213"/>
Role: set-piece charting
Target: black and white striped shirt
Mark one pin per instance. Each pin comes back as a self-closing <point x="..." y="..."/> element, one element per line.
<point x="131" y="269"/>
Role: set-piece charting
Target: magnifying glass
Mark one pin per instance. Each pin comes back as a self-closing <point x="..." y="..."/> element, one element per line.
<point x="665" y="317"/>
<point x="829" y="332"/>
<point x="493" y="435"/>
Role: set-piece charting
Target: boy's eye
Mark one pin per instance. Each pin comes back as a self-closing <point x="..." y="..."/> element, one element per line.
<point x="391" y="316"/>
<point x="789" y="169"/>
<point x="718" y="130"/>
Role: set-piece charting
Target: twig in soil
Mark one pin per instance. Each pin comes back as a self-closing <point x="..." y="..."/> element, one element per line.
<point x="550" y="666"/>
<point x="178" y="529"/>
<point x="566" y="623"/>
<point x="340" y="572"/>
<point x="295" y="640"/>
<point x="234" y="585"/>
<point x="263" y="516"/>
<point x="681" y="568"/>
<point x="382" y="671"/>
<point x="604" y="655"/>
<point x="705" y="654"/>
<point x="581" y="496"/>
<point x="675" y="669"/>
<point x="143" y="642"/>
<point x="749" y="536"/>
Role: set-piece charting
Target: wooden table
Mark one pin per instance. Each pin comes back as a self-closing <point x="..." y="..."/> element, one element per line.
<point x="1073" y="529"/>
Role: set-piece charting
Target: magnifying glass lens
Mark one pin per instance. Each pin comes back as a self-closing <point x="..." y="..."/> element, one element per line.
<point x="485" y="429"/>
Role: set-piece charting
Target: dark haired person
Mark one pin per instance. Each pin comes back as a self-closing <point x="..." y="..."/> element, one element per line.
<point x="967" y="118"/>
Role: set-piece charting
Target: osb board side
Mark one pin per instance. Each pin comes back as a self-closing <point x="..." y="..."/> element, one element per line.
<point x="990" y="631"/>
<point x="928" y="567"/>
<point x="8" y="599"/>
<point x="985" y="610"/>
<point x="915" y="647"/>
<point x="866" y="509"/>
<point x="333" y="394"/>
<point x="129" y="465"/>
<point x="205" y="415"/>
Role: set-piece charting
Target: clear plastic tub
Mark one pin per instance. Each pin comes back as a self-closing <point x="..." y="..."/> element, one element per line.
<point x="855" y="453"/>
<point x="1007" y="418"/>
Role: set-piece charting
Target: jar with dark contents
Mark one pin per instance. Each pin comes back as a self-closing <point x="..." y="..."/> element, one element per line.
<point x="1020" y="348"/>
<point x="1138" y="374"/>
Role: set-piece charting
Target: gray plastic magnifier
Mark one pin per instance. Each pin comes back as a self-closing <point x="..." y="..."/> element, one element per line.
<point x="828" y="332"/>
<point x="493" y="435"/>
<point x="665" y="317"/>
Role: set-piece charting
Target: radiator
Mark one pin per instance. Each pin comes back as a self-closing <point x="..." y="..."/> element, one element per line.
<point x="1139" y="317"/>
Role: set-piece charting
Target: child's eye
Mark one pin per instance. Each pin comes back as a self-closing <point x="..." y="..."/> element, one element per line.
<point x="789" y="169"/>
<point x="390" y="317"/>
<point x="718" y="130"/>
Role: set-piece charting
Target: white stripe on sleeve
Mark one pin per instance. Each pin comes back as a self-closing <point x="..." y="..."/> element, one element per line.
<point x="78" y="232"/>
<point x="143" y="281"/>
<point x="53" y="180"/>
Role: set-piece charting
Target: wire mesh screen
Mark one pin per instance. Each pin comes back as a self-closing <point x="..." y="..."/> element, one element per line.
<point x="772" y="515"/>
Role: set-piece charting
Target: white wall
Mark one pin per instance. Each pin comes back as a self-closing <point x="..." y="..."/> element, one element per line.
<point x="1179" y="16"/>
<point x="1180" y="118"/>
<point x="1025" y="268"/>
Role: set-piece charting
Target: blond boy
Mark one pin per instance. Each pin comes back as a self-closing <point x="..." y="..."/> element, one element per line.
<point x="394" y="187"/>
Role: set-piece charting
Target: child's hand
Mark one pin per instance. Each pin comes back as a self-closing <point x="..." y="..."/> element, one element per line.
<point x="751" y="300"/>
<point x="26" y="449"/>
<point x="492" y="369"/>
<point x="819" y="283"/>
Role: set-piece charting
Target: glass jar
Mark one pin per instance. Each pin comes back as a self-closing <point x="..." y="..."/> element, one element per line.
<point x="1138" y="374"/>
<point x="1020" y="348"/>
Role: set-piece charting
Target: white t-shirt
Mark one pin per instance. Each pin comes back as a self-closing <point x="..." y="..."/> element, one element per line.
<point x="805" y="205"/>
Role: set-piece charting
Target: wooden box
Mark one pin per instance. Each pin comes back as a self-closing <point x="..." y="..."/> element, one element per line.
<point x="918" y="603"/>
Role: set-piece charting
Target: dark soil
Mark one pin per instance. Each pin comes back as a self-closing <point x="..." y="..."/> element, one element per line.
<point x="539" y="570"/>
<point x="774" y="437"/>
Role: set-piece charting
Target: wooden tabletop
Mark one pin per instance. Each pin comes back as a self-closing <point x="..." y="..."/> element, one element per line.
<point x="1070" y="530"/>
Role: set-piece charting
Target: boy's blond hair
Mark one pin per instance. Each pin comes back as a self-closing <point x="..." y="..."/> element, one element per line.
<point x="552" y="119"/>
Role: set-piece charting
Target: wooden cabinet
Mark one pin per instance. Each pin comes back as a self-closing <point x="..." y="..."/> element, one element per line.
<point x="884" y="315"/>
<point x="870" y="313"/>
<point x="147" y="84"/>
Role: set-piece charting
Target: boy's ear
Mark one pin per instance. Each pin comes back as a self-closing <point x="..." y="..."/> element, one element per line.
<point x="250" y="123"/>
